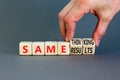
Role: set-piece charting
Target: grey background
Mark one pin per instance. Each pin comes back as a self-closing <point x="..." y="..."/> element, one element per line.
<point x="36" y="20"/>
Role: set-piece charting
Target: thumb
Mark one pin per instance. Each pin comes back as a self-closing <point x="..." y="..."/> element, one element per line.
<point x="100" y="30"/>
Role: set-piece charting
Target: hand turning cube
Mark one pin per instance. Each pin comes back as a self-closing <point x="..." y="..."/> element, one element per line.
<point x="76" y="46"/>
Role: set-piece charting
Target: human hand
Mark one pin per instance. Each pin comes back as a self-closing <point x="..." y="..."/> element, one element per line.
<point x="76" y="9"/>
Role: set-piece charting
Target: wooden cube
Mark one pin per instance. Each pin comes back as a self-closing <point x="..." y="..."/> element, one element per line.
<point x="63" y="48"/>
<point x="76" y="46"/>
<point x="88" y="46"/>
<point x="50" y="48"/>
<point x="38" y="48"/>
<point x="25" y="48"/>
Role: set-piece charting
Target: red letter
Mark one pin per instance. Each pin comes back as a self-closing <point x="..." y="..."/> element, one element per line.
<point x="63" y="49"/>
<point x="50" y="49"/>
<point x="25" y="49"/>
<point x="38" y="49"/>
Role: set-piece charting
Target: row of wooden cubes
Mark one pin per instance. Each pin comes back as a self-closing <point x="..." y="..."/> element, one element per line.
<point x="76" y="46"/>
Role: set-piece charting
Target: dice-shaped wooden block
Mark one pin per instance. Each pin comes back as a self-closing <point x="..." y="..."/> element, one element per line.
<point x="25" y="48"/>
<point x="63" y="48"/>
<point x="38" y="48"/>
<point x="50" y="48"/>
<point x="76" y="46"/>
<point x="88" y="46"/>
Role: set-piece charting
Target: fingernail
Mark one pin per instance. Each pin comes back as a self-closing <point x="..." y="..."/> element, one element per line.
<point x="97" y="43"/>
<point x="66" y="38"/>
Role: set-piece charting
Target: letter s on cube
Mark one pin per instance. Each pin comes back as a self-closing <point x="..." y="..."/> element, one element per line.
<point x="25" y="48"/>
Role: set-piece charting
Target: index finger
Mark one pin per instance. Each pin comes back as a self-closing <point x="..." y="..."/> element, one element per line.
<point x="62" y="14"/>
<point x="75" y="14"/>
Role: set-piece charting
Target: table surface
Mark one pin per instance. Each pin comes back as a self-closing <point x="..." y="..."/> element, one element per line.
<point x="96" y="67"/>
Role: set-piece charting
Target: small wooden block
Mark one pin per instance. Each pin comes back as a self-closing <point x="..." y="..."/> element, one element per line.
<point x="38" y="48"/>
<point x="50" y="48"/>
<point x="76" y="46"/>
<point x="25" y="48"/>
<point x="88" y="46"/>
<point x="63" y="48"/>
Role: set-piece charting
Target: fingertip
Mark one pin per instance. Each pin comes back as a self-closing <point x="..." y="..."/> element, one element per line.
<point x="63" y="36"/>
<point x="62" y="31"/>
<point x="67" y="38"/>
<point x="69" y="35"/>
<point x="97" y="42"/>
